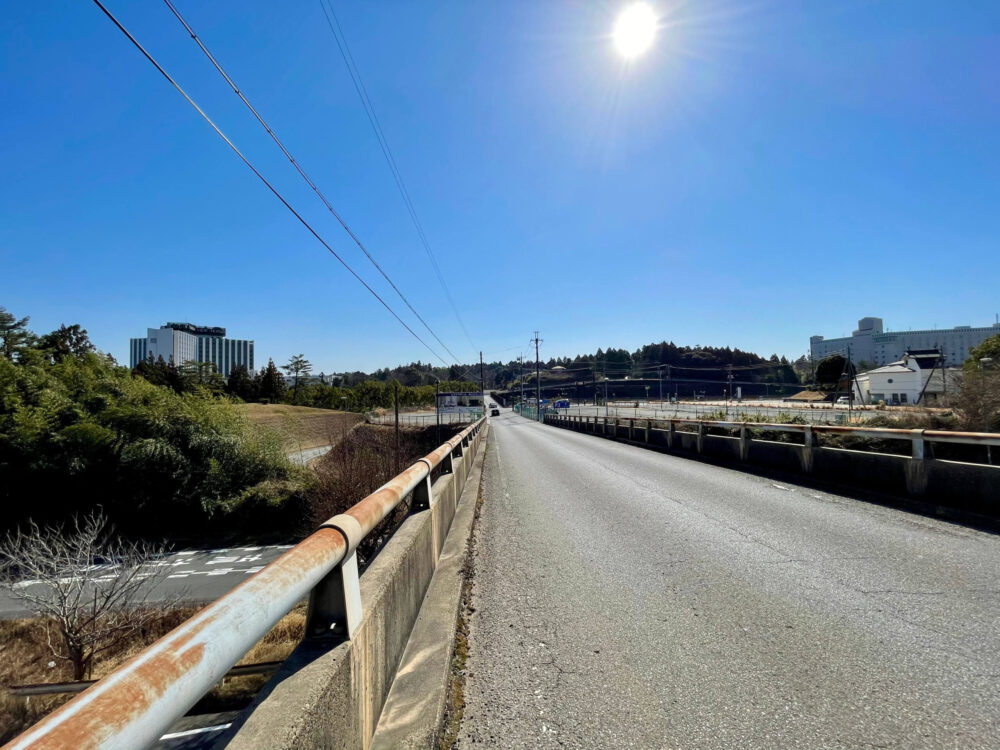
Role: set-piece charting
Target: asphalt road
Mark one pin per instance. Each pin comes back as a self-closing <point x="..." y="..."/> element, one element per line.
<point x="192" y="576"/>
<point x="625" y="598"/>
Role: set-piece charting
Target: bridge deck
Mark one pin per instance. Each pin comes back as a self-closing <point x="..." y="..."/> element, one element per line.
<point x="625" y="598"/>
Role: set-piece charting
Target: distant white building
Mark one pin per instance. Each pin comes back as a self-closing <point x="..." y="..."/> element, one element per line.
<point x="916" y="378"/>
<point x="184" y="342"/>
<point x="460" y="403"/>
<point x="870" y="343"/>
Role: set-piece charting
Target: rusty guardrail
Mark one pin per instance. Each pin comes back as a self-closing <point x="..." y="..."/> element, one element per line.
<point x="134" y="705"/>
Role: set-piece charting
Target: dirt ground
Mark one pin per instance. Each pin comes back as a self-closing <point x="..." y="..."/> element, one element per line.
<point x="303" y="427"/>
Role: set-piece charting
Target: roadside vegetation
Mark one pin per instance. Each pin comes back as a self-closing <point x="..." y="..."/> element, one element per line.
<point x="103" y="468"/>
<point x="25" y="659"/>
<point x="365" y="461"/>
<point x="78" y="432"/>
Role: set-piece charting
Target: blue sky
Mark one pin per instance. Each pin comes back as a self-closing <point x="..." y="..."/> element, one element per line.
<point x="767" y="171"/>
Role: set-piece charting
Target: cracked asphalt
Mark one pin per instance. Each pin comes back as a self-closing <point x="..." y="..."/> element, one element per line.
<point x="626" y="598"/>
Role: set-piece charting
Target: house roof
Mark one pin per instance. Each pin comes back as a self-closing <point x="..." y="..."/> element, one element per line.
<point x="891" y="367"/>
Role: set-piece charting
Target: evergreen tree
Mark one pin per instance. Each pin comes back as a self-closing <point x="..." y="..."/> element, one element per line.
<point x="65" y="341"/>
<point x="270" y="385"/>
<point x="14" y="335"/>
<point x="240" y="384"/>
<point x="297" y="366"/>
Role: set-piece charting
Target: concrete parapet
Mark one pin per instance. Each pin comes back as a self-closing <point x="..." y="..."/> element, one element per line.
<point x="330" y="692"/>
<point x="946" y="485"/>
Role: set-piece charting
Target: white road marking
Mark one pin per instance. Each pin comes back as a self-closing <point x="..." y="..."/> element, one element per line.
<point x="187" y="733"/>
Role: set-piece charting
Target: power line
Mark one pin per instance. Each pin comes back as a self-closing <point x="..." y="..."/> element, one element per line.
<point x="359" y="87"/>
<point x="301" y="171"/>
<point x="261" y="177"/>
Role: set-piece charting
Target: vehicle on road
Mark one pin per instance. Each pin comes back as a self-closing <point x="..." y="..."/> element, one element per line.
<point x="494" y="412"/>
<point x="843" y="401"/>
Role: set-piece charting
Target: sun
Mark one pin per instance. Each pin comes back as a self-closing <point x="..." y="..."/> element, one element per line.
<point x="635" y="29"/>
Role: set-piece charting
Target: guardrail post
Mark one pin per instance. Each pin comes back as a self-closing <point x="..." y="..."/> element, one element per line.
<point x="422" y="494"/>
<point x="671" y="432"/>
<point x="807" y="455"/>
<point x="617" y="425"/>
<point x="631" y="429"/>
<point x="701" y="436"/>
<point x="460" y="450"/>
<point x="335" y="602"/>
<point x="744" y="442"/>
<point x="604" y="429"/>
<point x="649" y="429"/>
<point x="916" y="467"/>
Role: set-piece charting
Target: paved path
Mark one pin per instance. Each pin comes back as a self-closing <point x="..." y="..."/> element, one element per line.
<point x="625" y="598"/>
<point x="303" y="457"/>
<point x="192" y="576"/>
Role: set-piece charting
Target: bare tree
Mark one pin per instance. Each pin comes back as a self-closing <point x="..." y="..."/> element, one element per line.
<point x="89" y="586"/>
<point x="978" y="400"/>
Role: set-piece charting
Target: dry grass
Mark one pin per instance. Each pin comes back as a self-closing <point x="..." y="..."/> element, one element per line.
<point x="303" y="427"/>
<point x="365" y="462"/>
<point x="25" y="658"/>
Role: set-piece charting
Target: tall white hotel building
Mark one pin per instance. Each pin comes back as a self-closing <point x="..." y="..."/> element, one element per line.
<point x="185" y="342"/>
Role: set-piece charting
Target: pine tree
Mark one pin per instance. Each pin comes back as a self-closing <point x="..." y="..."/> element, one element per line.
<point x="14" y="334"/>
<point x="270" y="384"/>
<point x="297" y="366"/>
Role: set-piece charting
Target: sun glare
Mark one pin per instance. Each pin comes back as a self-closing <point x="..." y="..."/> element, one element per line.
<point x="635" y="29"/>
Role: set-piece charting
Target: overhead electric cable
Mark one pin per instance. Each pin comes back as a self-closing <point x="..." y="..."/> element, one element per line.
<point x="301" y="171"/>
<point x="261" y="177"/>
<point x="359" y="87"/>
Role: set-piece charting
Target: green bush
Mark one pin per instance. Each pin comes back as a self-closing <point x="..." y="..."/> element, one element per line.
<point x="82" y="432"/>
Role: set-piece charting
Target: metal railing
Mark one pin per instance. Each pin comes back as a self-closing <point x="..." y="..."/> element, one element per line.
<point x="825" y="414"/>
<point x="920" y="440"/>
<point x="134" y="705"/>
<point x="425" y="420"/>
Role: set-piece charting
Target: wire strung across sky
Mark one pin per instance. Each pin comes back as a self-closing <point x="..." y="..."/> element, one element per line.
<point x="359" y="86"/>
<point x="301" y="171"/>
<point x="260" y="176"/>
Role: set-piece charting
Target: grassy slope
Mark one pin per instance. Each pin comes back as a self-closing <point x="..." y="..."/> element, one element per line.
<point x="302" y="427"/>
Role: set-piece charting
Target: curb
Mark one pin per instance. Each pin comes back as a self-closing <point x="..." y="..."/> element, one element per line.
<point x="415" y="707"/>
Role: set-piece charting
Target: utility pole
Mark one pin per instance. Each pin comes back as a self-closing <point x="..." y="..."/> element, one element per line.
<point x="593" y="375"/>
<point x="729" y="388"/>
<point x="538" y="382"/>
<point x="659" y="375"/>
<point x="520" y="359"/>
<point x="437" y="408"/>
<point x="482" y="382"/>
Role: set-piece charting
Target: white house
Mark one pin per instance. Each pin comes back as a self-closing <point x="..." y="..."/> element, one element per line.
<point x="915" y="379"/>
